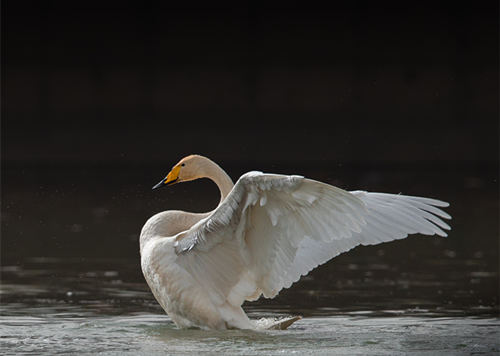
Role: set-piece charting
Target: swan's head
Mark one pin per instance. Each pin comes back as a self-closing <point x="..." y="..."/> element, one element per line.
<point x="188" y="168"/>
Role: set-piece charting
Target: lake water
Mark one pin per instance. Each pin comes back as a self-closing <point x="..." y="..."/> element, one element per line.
<point x="82" y="309"/>
<point x="71" y="280"/>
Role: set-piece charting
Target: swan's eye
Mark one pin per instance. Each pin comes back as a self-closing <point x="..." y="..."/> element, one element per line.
<point x="182" y="165"/>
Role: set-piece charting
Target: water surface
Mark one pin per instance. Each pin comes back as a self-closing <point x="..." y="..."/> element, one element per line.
<point x="84" y="309"/>
<point x="71" y="280"/>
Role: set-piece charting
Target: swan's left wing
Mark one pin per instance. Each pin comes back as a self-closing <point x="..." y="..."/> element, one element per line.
<point x="271" y="229"/>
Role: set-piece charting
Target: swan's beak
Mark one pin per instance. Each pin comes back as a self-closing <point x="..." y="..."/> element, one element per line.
<point x="159" y="185"/>
<point x="172" y="178"/>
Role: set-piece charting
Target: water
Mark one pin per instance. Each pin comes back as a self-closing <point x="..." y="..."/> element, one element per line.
<point x="155" y="335"/>
<point x="74" y="306"/>
<point x="95" y="312"/>
<point x="71" y="280"/>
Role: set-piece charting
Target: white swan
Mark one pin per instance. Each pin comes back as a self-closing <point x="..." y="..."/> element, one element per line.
<point x="267" y="231"/>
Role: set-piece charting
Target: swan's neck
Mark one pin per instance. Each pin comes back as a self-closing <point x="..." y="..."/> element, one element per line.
<point x="212" y="171"/>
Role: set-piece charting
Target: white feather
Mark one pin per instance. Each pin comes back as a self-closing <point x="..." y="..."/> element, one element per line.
<point x="267" y="233"/>
<point x="298" y="225"/>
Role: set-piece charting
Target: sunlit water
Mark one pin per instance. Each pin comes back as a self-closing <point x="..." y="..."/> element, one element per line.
<point x="87" y="311"/>
<point x="147" y="334"/>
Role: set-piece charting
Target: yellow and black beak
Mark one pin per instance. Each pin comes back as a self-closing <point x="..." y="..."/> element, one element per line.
<point x="172" y="178"/>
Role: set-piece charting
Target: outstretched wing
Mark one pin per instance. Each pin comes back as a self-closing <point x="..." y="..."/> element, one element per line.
<point x="272" y="229"/>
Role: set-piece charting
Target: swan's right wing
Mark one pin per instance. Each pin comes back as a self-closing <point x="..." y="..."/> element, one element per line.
<point x="272" y="229"/>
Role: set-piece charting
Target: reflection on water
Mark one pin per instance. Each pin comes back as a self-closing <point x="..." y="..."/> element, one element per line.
<point x="455" y="287"/>
<point x="71" y="280"/>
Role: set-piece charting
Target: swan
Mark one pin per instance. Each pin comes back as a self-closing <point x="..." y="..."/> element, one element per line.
<point x="267" y="231"/>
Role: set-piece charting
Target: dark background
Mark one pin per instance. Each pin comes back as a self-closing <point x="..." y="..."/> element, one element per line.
<point x="100" y="99"/>
<point x="115" y="82"/>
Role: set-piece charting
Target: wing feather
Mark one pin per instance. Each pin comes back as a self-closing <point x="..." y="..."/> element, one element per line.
<point x="272" y="229"/>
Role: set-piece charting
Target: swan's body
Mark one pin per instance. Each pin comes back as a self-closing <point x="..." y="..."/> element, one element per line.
<point x="267" y="231"/>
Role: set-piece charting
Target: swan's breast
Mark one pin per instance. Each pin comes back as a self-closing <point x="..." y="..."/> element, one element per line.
<point x="175" y="289"/>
